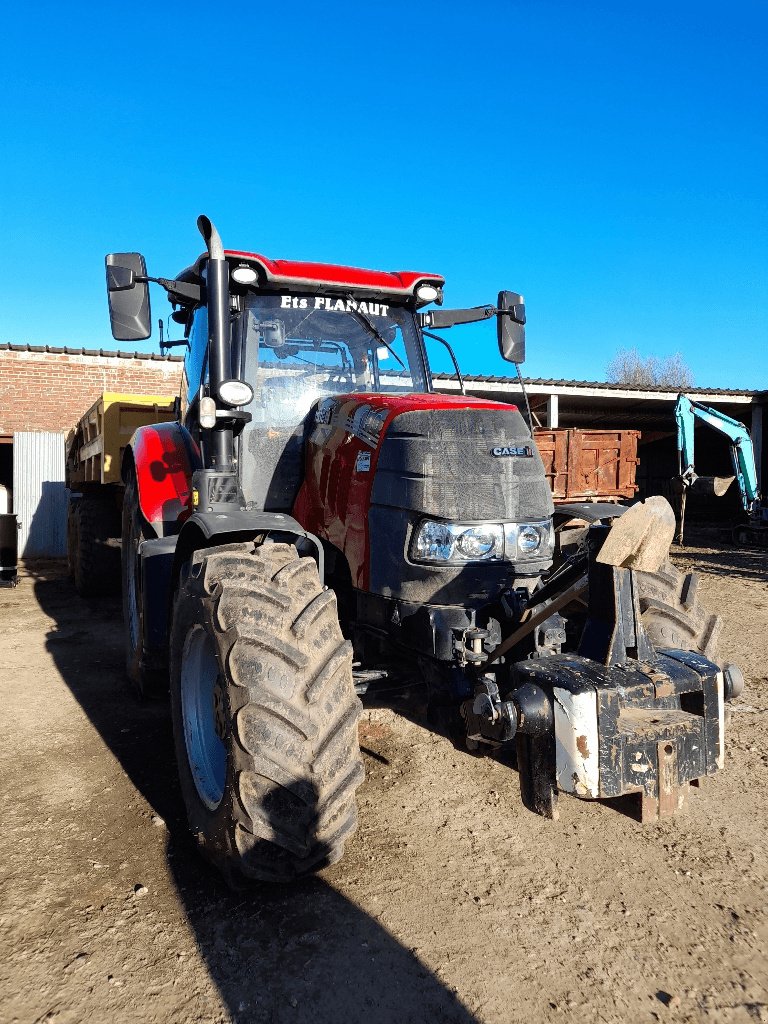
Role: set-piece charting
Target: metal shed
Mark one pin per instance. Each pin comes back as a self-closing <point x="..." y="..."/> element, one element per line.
<point x="39" y="493"/>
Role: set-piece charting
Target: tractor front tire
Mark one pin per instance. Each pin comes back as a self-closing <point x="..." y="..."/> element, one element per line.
<point x="264" y="713"/>
<point x="672" y="615"/>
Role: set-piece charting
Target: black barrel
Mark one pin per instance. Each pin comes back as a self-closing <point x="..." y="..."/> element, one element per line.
<point x="9" y="550"/>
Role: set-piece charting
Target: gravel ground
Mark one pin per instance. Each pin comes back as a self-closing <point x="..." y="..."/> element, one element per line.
<point x="452" y="904"/>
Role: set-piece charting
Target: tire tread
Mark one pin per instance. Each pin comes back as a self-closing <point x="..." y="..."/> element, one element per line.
<point x="294" y="747"/>
<point x="673" y="615"/>
<point x="94" y="563"/>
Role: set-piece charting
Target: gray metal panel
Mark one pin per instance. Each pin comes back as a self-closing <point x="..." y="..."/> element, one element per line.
<point x="39" y="493"/>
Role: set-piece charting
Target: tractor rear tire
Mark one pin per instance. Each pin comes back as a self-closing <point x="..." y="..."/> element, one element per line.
<point x="94" y="562"/>
<point x="150" y="681"/>
<point x="264" y="713"/>
<point x="672" y="615"/>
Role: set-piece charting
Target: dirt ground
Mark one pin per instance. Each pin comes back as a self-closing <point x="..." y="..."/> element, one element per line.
<point x="453" y="903"/>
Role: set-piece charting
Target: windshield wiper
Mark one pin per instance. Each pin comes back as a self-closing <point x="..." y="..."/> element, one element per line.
<point x="363" y="319"/>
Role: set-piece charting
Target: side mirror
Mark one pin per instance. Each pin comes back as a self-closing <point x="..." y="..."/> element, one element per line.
<point x="128" y="296"/>
<point x="510" y="327"/>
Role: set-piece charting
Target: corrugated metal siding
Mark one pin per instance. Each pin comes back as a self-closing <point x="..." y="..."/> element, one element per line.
<point x="39" y="493"/>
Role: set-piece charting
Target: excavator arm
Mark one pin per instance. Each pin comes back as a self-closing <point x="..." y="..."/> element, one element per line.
<point x="742" y="449"/>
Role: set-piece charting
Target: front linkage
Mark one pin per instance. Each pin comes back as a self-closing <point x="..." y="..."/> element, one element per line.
<point x="618" y="718"/>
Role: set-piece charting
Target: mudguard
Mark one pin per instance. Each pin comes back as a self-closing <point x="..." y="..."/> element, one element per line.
<point x="163" y="558"/>
<point x="203" y="529"/>
<point x="589" y="511"/>
<point x="165" y="456"/>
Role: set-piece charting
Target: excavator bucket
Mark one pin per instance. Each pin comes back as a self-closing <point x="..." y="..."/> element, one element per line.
<point x="711" y="486"/>
<point x="701" y="487"/>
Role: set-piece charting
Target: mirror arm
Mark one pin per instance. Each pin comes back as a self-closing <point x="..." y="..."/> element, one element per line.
<point x="183" y="289"/>
<point x="452" y="355"/>
<point x="439" y="319"/>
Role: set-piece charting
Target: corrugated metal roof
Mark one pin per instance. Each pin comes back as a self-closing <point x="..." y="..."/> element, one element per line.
<point x="603" y="385"/>
<point x="66" y="351"/>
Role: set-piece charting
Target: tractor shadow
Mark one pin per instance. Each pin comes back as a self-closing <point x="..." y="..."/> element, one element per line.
<point x="301" y="954"/>
<point x="706" y="548"/>
<point x="741" y="563"/>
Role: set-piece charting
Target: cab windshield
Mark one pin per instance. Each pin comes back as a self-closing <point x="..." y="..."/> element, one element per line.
<point x="296" y="350"/>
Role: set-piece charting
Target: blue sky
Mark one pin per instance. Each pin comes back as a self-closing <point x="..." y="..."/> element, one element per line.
<point x="608" y="160"/>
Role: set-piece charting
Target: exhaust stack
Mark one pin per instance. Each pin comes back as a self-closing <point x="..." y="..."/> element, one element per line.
<point x="217" y="288"/>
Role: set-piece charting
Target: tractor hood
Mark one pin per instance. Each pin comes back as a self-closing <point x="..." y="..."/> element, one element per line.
<point x="377" y="464"/>
<point x="459" y="459"/>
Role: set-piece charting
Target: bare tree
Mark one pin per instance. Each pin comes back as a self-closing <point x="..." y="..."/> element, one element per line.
<point x="629" y="367"/>
<point x="674" y="373"/>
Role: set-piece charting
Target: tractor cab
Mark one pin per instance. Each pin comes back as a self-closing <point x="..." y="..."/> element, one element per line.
<point x="301" y="333"/>
<point x="295" y="351"/>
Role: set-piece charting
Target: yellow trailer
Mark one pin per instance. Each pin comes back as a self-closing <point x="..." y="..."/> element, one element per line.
<point x="95" y="448"/>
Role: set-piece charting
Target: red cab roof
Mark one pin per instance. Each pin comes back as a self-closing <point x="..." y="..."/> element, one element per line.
<point x="296" y="275"/>
<point x="293" y="273"/>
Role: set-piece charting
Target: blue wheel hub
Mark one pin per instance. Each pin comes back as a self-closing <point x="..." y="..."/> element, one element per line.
<point x="202" y="711"/>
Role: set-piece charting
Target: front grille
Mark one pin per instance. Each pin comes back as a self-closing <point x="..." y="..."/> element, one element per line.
<point x="440" y="463"/>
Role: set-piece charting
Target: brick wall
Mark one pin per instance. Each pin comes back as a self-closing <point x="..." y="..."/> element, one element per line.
<point x="50" y="390"/>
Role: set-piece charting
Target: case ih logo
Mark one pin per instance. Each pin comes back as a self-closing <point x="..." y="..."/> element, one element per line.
<point x="521" y="451"/>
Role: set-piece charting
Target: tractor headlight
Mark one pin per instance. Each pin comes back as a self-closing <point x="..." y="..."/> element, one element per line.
<point x="458" y="543"/>
<point x="480" y="542"/>
<point x="529" y="540"/>
<point x="453" y="542"/>
<point x="235" y="392"/>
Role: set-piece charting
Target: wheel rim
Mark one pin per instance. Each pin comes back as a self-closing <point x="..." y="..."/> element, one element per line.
<point x="202" y="718"/>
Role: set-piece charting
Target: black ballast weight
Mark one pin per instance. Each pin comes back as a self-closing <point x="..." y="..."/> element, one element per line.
<point x="615" y="719"/>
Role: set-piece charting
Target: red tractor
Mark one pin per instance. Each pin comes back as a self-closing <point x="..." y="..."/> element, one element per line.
<point x="320" y="525"/>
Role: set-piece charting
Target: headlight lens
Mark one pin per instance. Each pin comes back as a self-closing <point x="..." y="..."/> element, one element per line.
<point x="457" y="543"/>
<point x="481" y="542"/>
<point x="235" y="392"/>
<point x="528" y="539"/>
<point x="435" y="542"/>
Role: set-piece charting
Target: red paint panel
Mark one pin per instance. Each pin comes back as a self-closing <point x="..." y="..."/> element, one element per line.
<point x="165" y="457"/>
<point x="334" y="499"/>
<point x="293" y="273"/>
